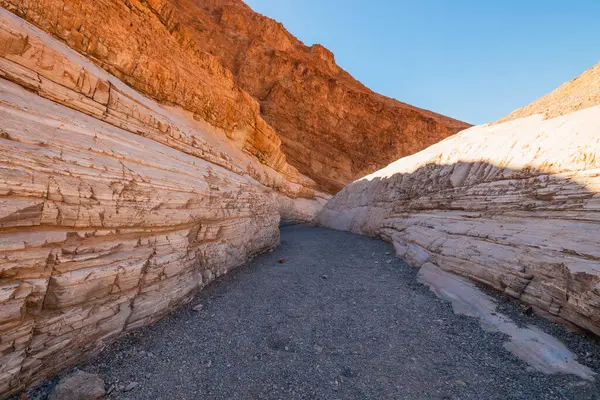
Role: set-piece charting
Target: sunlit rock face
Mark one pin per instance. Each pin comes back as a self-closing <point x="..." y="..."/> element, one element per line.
<point x="515" y="206"/>
<point x="245" y="73"/>
<point x="115" y="209"/>
<point x="129" y="70"/>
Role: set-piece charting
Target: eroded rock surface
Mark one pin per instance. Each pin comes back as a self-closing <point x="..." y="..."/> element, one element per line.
<point x="515" y="206"/>
<point x="247" y="75"/>
<point x="114" y="209"/>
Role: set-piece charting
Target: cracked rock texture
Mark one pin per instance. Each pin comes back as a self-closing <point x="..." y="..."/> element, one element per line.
<point x="115" y="209"/>
<point x="244" y="73"/>
<point x="515" y="206"/>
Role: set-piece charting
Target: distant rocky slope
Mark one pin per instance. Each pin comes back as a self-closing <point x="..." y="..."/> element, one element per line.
<point x="332" y="128"/>
<point x="515" y="206"/>
<point x="577" y="94"/>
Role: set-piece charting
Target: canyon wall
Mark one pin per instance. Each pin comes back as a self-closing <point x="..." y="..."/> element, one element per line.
<point x="115" y="209"/>
<point x="332" y="128"/>
<point x="515" y="206"/>
<point x="147" y="147"/>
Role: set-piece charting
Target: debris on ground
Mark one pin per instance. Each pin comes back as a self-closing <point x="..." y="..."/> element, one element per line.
<point x="79" y="385"/>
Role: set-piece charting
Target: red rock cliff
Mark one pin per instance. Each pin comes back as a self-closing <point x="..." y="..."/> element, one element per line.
<point x="332" y="128"/>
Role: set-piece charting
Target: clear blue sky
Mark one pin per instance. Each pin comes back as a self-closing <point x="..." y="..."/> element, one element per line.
<point x="474" y="60"/>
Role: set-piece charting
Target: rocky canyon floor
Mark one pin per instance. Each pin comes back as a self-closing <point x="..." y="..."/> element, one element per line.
<point x="340" y="318"/>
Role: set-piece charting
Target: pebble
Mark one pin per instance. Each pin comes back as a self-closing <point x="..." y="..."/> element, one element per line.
<point x="130" y="386"/>
<point x="198" y="307"/>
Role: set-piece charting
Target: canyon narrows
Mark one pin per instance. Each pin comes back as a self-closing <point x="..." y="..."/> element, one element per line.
<point x="139" y="162"/>
<point x="147" y="147"/>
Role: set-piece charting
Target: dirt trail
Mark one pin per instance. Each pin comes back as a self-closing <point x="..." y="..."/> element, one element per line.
<point x="341" y="318"/>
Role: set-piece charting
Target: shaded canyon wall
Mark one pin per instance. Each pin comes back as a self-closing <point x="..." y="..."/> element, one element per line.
<point x="515" y="206"/>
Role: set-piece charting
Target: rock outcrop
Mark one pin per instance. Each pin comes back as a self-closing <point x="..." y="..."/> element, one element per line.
<point x="115" y="209"/>
<point x="79" y="385"/>
<point x="209" y="57"/>
<point x="147" y="147"/>
<point x="515" y="206"/>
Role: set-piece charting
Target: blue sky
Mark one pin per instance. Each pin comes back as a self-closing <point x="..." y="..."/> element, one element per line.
<point x="474" y="60"/>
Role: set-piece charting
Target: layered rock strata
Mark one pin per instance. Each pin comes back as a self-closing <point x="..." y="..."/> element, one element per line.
<point x="246" y="74"/>
<point x="515" y="206"/>
<point x="115" y="209"/>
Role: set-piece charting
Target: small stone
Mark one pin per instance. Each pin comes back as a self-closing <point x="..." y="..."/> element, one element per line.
<point x="198" y="307"/>
<point x="79" y="386"/>
<point x="460" y="382"/>
<point x="281" y="260"/>
<point x="130" y="386"/>
<point x="208" y="363"/>
<point x="318" y="348"/>
<point x="389" y="261"/>
<point x="348" y="372"/>
<point x="324" y="276"/>
<point x="387" y="253"/>
<point x="376" y="262"/>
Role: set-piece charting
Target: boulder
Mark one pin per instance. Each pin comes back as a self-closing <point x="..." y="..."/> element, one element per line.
<point x="79" y="385"/>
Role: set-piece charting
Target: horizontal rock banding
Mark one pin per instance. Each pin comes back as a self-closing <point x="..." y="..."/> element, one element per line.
<point x="244" y="73"/>
<point x="515" y="206"/>
<point x="114" y="209"/>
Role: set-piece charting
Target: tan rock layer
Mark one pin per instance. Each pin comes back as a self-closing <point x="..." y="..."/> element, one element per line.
<point x="103" y="231"/>
<point x="114" y="209"/>
<point x="515" y="206"/>
<point x="130" y="40"/>
<point x="37" y="62"/>
<point x="206" y="57"/>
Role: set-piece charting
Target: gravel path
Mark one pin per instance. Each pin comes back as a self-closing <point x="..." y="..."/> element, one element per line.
<point x="342" y="318"/>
